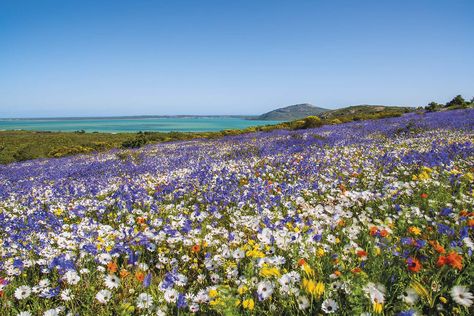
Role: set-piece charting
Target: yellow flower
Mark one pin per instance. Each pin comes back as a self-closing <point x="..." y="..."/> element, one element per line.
<point x="313" y="288"/>
<point x="414" y="230"/>
<point x="212" y="293"/>
<point x="242" y="289"/>
<point x="377" y="307"/>
<point x="307" y="269"/>
<point x="255" y="254"/>
<point x="377" y="251"/>
<point x="443" y="299"/>
<point x="269" y="272"/>
<point x="248" y="304"/>
<point x="320" y="252"/>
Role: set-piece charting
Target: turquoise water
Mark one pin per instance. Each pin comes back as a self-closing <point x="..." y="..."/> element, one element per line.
<point x="116" y="125"/>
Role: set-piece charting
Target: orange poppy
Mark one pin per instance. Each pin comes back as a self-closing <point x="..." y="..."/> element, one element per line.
<point x="424" y="195"/>
<point x="361" y="253"/>
<point x="301" y="262"/>
<point x="384" y="233"/>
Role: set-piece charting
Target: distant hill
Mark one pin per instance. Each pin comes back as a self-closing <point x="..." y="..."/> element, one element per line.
<point x="359" y="111"/>
<point x="292" y="112"/>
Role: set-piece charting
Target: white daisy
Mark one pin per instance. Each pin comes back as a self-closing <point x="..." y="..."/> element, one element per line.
<point x="144" y="300"/>
<point x="409" y="296"/>
<point x="376" y="292"/>
<point x="51" y="312"/>
<point x="71" y="277"/>
<point x="112" y="281"/>
<point x="103" y="296"/>
<point x="461" y="295"/>
<point x="265" y="289"/>
<point x="171" y="295"/>
<point x="329" y="306"/>
<point x="194" y="308"/>
<point x="24" y="314"/>
<point x="66" y="295"/>
<point x="22" y="292"/>
<point x="303" y="302"/>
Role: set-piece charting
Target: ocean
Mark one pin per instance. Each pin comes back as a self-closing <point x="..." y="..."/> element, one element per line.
<point x="132" y="124"/>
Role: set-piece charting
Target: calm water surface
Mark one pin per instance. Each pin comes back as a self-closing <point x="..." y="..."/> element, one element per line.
<point x="115" y="125"/>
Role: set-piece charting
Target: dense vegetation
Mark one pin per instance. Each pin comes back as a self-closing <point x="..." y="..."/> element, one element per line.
<point x="26" y="145"/>
<point x="457" y="102"/>
<point x="364" y="218"/>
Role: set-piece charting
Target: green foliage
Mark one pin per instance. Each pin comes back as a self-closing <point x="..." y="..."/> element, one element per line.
<point x="433" y="107"/>
<point x="312" y="122"/>
<point x="458" y="101"/>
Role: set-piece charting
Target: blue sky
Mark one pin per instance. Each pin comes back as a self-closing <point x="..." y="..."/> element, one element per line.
<point x="70" y="58"/>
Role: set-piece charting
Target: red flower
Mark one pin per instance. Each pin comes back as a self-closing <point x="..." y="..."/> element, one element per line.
<point x="414" y="264"/>
<point x="442" y="260"/>
<point x="361" y="253"/>
<point x="196" y="248"/>
<point x="373" y="230"/>
<point x="424" y="195"/>
<point x="453" y="259"/>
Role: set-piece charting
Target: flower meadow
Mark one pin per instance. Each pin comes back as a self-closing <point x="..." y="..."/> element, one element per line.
<point x="363" y="218"/>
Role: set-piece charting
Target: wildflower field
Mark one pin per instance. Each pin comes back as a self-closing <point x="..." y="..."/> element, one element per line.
<point x="369" y="217"/>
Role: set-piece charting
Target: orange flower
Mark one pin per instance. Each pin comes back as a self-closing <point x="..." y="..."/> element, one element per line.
<point x="424" y="195"/>
<point x="337" y="273"/>
<point x="140" y="220"/>
<point x="356" y="270"/>
<point x="196" y="248"/>
<point x="373" y="230"/>
<point x="414" y="264"/>
<point x="301" y="262"/>
<point x="123" y="273"/>
<point x="361" y="253"/>
<point x="112" y="267"/>
<point x="470" y="222"/>
<point x="140" y="276"/>
<point x="442" y="260"/>
<point x="455" y="260"/>
<point x="384" y="233"/>
<point x="437" y="246"/>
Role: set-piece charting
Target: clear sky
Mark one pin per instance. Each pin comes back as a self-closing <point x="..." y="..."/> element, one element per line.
<point x="85" y="58"/>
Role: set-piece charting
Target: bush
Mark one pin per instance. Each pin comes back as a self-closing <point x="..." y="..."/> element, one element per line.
<point x="66" y="151"/>
<point x="312" y="122"/>
<point x="25" y="153"/>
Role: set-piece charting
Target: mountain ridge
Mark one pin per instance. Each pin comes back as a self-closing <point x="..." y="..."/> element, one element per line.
<point x="291" y="112"/>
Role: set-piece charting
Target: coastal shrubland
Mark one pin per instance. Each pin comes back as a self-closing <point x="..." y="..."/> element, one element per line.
<point x="369" y="217"/>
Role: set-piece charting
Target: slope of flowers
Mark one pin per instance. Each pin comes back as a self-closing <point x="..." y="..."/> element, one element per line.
<point x="372" y="217"/>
